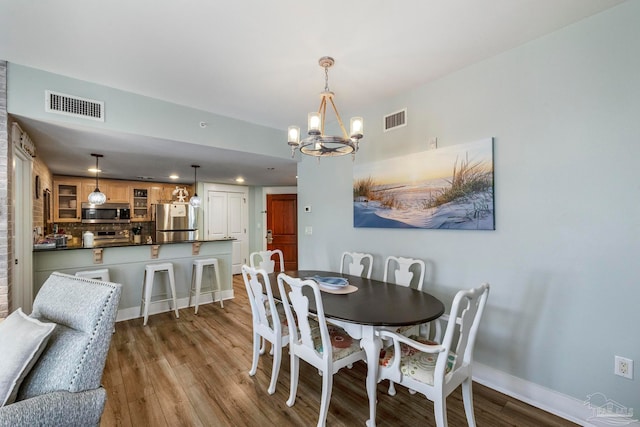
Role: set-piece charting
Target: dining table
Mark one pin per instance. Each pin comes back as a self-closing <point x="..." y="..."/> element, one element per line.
<point x="373" y="305"/>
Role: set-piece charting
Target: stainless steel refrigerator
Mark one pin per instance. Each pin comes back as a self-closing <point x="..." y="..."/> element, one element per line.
<point x="175" y="222"/>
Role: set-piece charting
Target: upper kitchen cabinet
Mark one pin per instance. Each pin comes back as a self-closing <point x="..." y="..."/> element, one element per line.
<point x="162" y="193"/>
<point x="140" y="202"/>
<point x="66" y="199"/>
<point x="116" y="191"/>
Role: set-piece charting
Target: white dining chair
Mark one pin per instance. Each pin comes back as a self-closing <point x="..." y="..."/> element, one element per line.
<point x="328" y="348"/>
<point x="435" y="370"/>
<point x="401" y="269"/>
<point x="265" y="261"/>
<point x="356" y="264"/>
<point x="267" y="321"/>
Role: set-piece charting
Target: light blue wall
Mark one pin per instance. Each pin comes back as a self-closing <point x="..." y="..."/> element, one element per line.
<point x="139" y="115"/>
<point x="565" y="114"/>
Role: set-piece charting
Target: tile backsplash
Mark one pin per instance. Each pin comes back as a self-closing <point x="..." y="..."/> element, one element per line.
<point x="76" y="229"/>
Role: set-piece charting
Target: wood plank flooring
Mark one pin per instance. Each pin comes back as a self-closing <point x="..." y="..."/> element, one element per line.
<point x="193" y="371"/>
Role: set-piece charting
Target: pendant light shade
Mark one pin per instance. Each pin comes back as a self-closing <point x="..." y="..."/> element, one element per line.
<point x="195" y="200"/>
<point x="97" y="197"/>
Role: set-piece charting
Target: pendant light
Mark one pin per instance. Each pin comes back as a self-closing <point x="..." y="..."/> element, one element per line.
<point x="97" y="197"/>
<point x="195" y="200"/>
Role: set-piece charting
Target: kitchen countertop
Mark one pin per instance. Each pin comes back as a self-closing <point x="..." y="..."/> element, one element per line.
<point x="124" y="245"/>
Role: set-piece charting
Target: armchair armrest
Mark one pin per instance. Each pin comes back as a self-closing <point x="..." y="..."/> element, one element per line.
<point x="399" y="338"/>
<point x="60" y="408"/>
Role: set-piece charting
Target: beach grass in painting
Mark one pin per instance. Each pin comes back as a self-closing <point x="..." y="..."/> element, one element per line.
<point x="446" y="188"/>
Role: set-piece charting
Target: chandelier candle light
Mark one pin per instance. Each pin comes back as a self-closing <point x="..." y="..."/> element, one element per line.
<point x="317" y="143"/>
<point x="97" y="197"/>
<point x="195" y="200"/>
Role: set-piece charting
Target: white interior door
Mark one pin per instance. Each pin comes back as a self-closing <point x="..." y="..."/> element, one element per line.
<point x="237" y="229"/>
<point x="216" y="215"/>
<point x="227" y="216"/>
<point x="22" y="275"/>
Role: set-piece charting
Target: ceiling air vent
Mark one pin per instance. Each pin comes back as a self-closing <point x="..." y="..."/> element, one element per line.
<point x="75" y="106"/>
<point x="395" y="120"/>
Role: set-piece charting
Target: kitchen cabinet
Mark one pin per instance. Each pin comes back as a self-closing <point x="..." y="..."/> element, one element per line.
<point x="163" y="193"/>
<point x="66" y="201"/>
<point x="70" y="192"/>
<point x="140" y="206"/>
<point x="116" y="191"/>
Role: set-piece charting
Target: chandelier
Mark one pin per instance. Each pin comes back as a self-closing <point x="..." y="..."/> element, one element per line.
<point x="317" y="143"/>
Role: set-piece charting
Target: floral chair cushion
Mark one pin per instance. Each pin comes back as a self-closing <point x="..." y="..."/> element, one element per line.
<point x="342" y="343"/>
<point x="415" y="363"/>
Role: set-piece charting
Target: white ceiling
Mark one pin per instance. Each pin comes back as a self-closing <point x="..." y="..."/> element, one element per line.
<point x="254" y="60"/>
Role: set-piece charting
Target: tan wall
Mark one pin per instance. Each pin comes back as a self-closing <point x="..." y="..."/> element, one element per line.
<point x="43" y="173"/>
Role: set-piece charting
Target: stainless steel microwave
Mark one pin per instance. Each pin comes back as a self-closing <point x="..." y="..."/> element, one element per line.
<point x="107" y="213"/>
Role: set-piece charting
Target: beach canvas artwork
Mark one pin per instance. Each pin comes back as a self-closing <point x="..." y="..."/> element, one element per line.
<point x="444" y="188"/>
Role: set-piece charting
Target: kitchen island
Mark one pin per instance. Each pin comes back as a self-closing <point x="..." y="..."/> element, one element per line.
<point x="126" y="265"/>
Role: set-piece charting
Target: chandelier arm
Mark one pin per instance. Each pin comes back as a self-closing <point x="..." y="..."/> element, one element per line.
<point x="335" y="110"/>
<point x="323" y="114"/>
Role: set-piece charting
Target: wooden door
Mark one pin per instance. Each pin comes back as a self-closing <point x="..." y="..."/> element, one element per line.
<point x="282" y="221"/>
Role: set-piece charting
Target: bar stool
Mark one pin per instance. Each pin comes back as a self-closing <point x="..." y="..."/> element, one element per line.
<point x="196" y="280"/>
<point x="147" y="286"/>
<point x="101" y="274"/>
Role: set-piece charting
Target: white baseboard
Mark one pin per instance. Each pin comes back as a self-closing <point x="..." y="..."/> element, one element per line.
<point x="163" y="307"/>
<point x="559" y="404"/>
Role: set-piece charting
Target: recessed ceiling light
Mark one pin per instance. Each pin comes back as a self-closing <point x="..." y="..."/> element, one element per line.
<point x="94" y="170"/>
<point x="174" y="176"/>
<point x="239" y="179"/>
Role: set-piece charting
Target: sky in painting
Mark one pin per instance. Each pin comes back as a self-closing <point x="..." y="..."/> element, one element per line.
<point x="425" y="165"/>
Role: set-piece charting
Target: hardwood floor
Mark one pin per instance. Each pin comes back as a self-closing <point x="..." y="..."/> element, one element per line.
<point x="193" y="371"/>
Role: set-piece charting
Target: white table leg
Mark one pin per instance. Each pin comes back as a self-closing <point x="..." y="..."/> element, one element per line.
<point x="371" y="345"/>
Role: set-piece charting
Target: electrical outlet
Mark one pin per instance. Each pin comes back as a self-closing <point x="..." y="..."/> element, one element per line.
<point x="623" y="367"/>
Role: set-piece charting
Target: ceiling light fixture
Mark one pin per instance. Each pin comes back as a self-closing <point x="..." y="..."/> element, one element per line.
<point x="97" y="197"/>
<point x="317" y="143"/>
<point x="195" y="200"/>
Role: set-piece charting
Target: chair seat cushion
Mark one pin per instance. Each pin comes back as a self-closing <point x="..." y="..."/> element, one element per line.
<point x="415" y="363"/>
<point x="22" y="340"/>
<point x="281" y="315"/>
<point x="342" y="343"/>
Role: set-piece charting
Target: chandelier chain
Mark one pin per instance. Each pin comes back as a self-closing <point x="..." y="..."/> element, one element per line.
<point x="326" y="78"/>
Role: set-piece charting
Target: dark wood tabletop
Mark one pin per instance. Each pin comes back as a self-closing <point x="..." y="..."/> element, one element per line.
<point x="375" y="302"/>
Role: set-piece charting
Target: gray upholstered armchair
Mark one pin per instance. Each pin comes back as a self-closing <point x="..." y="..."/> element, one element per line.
<point x="63" y="387"/>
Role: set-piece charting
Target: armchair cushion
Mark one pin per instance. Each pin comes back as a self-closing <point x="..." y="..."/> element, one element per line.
<point x="60" y="409"/>
<point x="22" y="340"/>
<point x="415" y="363"/>
<point x="84" y="311"/>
